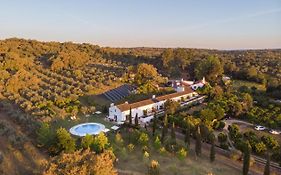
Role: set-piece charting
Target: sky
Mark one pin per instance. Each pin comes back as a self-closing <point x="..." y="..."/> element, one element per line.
<point x="214" y="24"/>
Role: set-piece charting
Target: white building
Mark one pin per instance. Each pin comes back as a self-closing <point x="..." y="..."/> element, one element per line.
<point x="145" y="109"/>
<point x="179" y="85"/>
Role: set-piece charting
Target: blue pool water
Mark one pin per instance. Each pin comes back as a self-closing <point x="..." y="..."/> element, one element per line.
<point x="87" y="128"/>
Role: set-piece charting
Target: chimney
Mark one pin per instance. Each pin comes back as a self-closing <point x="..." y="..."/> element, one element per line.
<point x="153" y="96"/>
<point x="203" y="80"/>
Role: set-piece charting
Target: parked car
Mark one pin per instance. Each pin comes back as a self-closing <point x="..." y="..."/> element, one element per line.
<point x="274" y="131"/>
<point x="260" y="128"/>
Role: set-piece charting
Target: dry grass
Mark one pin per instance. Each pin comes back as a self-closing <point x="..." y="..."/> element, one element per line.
<point x="170" y="164"/>
<point x="17" y="161"/>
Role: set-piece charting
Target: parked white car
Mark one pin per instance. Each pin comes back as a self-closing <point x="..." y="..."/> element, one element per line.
<point x="274" y="132"/>
<point x="260" y="128"/>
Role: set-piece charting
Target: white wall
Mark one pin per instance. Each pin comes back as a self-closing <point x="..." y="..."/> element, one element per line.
<point x="121" y="116"/>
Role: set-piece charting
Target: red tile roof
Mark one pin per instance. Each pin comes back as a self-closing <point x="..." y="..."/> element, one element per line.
<point x="127" y="106"/>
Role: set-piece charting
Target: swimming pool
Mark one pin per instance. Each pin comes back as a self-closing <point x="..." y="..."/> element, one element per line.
<point x="87" y="128"/>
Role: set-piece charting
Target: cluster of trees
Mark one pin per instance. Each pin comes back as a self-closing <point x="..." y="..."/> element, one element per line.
<point x="46" y="79"/>
<point x="176" y="60"/>
<point x="61" y="140"/>
<point x="145" y="77"/>
<point x="82" y="162"/>
<point x="273" y="88"/>
<point x="211" y="68"/>
<point x="265" y="145"/>
<point x="270" y="116"/>
<point x="255" y="65"/>
<point x="197" y="128"/>
<point x="90" y="154"/>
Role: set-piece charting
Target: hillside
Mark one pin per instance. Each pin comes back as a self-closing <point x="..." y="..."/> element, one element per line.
<point x="49" y="82"/>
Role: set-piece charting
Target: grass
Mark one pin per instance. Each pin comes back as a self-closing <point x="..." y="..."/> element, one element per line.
<point x="97" y="118"/>
<point x="169" y="163"/>
<point x="238" y="83"/>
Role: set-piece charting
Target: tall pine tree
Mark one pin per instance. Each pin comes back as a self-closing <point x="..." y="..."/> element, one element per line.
<point x="187" y="134"/>
<point x="246" y="158"/>
<point x="130" y="117"/>
<point x="267" y="165"/>
<point x="136" y="121"/>
<point x="173" y="135"/>
<point x="164" y="129"/>
<point x="198" y="142"/>
<point x="212" y="151"/>
<point x="154" y="125"/>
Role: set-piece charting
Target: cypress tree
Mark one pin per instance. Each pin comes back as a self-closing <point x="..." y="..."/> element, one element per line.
<point x="212" y="151"/>
<point x="136" y="120"/>
<point x="130" y="117"/>
<point x="1" y="161"/>
<point x="187" y="135"/>
<point x="267" y="166"/>
<point x="173" y="134"/>
<point x="246" y="158"/>
<point x="164" y="129"/>
<point x="154" y="125"/>
<point x="198" y="142"/>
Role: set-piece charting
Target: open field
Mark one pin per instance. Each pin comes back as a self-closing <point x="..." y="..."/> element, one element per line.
<point x="170" y="164"/>
<point x="239" y="83"/>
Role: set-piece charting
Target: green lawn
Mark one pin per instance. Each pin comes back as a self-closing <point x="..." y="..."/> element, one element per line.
<point x="97" y="118"/>
<point x="238" y="83"/>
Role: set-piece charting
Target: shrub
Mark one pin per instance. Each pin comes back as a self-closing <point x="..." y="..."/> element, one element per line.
<point x="65" y="141"/>
<point x="182" y="153"/>
<point x="224" y="146"/>
<point x="146" y="154"/>
<point x="260" y="148"/>
<point x="124" y="153"/>
<point x="222" y="137"/>
<point x="143" y="139"/>
<point x="153" y="168"/>
<point x="145" y="157"/>
<point x="235" y="155"/>
<point x="221" y="125"/>
<point x="100" y="143"/>
<point x="131" y="147"/>
<point x="162" y="151"/>
<point x="157" y="143"/>
<point x="118" y="139"/>
<point x="87" y="141"/>
<point x="144" y="148"/>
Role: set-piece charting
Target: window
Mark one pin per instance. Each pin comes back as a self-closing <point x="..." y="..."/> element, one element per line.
<point x="127" y="117"/>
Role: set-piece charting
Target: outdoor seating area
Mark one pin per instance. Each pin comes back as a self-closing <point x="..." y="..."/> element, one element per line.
<point x="115" y="128"/>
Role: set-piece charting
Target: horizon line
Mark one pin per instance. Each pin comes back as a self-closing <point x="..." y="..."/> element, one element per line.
<point x="132" y="47"/>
